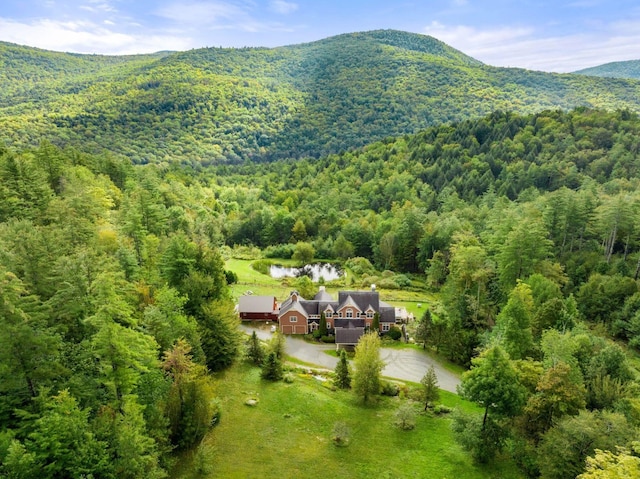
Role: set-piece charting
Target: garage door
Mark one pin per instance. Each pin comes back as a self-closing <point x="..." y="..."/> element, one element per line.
<point x="300" y="329"/>
<point x="287" y="329"/>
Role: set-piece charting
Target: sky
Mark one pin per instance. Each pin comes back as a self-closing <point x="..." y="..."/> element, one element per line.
<point x="557" y="36"/>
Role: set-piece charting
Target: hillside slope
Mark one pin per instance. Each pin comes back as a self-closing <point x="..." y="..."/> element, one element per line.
<point x="211" y="105"/>
<point x="628" y="69"/>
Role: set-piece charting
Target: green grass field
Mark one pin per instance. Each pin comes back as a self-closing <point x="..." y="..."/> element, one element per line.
<point x="288" y="435"/>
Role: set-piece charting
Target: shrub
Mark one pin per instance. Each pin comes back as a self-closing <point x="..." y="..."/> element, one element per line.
<point x="281" y="251"/>
<point x="231" y="277"/>
<point x="401" y="281"/>
<point x="441" y="409"/>
<point x="360" y="266"/>
<point x="328" y="339"/>
<point x="405" y="416"/>
<point x="288" y="378"/>
<point x="204" y="459"/>
<point x="262" y="266"/>
<point x="341" y="434"/>
<point x="394" y="333"/>
<point x="390" y="389"/>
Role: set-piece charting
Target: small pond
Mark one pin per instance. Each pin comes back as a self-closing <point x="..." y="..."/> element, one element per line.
<point x="326" y="271"/>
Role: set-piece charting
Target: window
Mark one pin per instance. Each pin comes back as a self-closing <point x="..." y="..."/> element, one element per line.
<point x="328" y="325"/>
<point x="328" y="314"/>
<point x="349" y="313"/>
<point x="385" y="326"/>
<point x="293" y="319"/>
<point x="369" y="314"/>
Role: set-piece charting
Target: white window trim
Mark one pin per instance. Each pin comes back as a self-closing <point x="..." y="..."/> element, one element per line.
<point x="293" y="319"/>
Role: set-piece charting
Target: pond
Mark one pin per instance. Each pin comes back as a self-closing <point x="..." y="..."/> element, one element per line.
<point x="326" y="271"/>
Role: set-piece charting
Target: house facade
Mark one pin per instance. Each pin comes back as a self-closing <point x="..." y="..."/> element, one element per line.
<point x="349" y="316"/>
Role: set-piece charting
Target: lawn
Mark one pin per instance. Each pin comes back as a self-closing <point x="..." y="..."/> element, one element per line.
<point x="288" y="435"/>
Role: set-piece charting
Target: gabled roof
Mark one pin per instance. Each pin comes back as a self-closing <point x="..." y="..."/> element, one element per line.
<point x="349" y="302"/>
<point x="256" y="304"/>
<point x="363" y="299"/>
<point x="294" y="306"/>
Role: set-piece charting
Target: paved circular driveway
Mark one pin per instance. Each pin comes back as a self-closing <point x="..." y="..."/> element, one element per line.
<point x="405" y="364"/>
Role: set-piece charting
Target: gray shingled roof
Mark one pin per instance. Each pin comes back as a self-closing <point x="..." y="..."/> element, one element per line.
<point x="255" y="304"/>
<point x="387" y="315"/>
<point x="363" y="299"/>
<point x="349" y="336"/>
<point x="322" y="295"/>
<point x="349" y="323"/>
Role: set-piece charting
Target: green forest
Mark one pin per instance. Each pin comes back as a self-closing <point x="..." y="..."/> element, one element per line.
<point x="126" y="182"/>
<point x="214" y="105"/>
<point x="115" y="301"/>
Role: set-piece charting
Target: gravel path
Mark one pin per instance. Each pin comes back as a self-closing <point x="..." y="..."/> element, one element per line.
<point x="404" y="364"/>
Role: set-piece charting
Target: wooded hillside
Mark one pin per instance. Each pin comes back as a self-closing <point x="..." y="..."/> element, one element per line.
<point x="224" y="105"/>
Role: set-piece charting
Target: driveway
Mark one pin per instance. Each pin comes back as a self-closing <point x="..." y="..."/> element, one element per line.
<point x="404" y="364"/>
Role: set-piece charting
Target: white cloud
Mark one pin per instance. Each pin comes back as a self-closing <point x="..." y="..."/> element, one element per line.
<point x="198" y="13"/>
<point x="86" y="37"/>
<point x="282" y="7"/>
<point x="524" y="47"/>
<point x="219" y="15"/>
<point x="98" y="7"/>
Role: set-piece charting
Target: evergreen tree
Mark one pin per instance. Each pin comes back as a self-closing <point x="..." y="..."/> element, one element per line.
<point x="430" y="391"/>
<point x="220" y="335"/>
<point x="343" y="375"/>
<point x="272" y="368"/>
<point x="322" y="328"/>
<point x="375" y="324"/>
<point x="255" y="351"/>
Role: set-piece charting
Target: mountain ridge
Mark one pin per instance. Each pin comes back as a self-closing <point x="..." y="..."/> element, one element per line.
<point x="623" y="69"/>
<point x="307" y="100"/>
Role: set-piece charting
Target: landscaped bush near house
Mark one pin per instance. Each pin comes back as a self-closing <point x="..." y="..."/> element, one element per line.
<point x="262" y="266"/>
<point x="394" y="333"/>
<point x="328" y="339"/>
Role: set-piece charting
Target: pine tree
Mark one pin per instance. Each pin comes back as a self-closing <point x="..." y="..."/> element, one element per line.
<point x="255" y="352"/>
<point x="343" y="375"/>
<point x="430" y="393"/>
<point x="272" y="368"/>
<point x="375" y="325"/>
<point x="322" y="329"/>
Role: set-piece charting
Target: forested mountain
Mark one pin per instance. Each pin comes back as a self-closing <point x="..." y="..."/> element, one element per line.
<point x="114" y="300"/>
<point x="211" y="105"/>
<point x="628" y="69"/>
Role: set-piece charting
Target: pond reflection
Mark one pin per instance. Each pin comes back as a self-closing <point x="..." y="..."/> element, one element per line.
<point x="326" y="271"/>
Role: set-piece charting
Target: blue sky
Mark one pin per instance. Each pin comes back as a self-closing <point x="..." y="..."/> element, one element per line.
<point x="545" y="35"/>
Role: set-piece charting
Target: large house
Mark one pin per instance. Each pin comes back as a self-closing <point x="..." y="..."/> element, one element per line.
<point x="348" y="317"/>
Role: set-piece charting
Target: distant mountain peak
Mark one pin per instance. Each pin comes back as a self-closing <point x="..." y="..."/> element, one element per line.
<point x="625" y="69"/>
